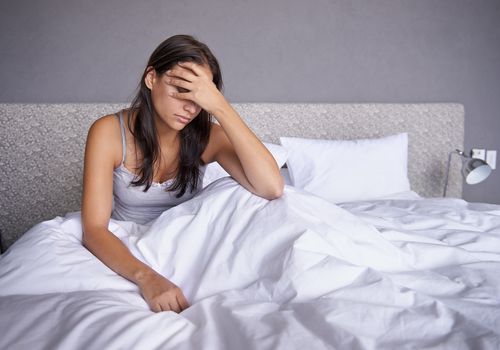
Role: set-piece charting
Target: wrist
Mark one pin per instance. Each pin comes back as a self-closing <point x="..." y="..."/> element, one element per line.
<point x="222" y="110"/>
<point x="143" y="274"/>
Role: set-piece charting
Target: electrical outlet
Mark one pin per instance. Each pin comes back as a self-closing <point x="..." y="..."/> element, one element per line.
<point x="478" y="153"/>
<point x="491" y="158"/>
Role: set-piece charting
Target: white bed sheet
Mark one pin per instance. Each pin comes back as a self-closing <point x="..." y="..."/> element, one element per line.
<point x="293" y="273"/>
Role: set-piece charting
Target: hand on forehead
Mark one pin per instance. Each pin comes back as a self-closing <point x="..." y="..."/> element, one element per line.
<point x="192" y="68"/>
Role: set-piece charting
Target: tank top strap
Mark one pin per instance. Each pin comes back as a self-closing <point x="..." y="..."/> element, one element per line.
<point x="124" y="143"/>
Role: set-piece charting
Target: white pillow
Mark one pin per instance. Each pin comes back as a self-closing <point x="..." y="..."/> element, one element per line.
<point x="351" y="170"/>
<point x="214" y="171"/>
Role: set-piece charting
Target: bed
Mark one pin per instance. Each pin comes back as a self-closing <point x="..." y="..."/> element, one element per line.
<point x="395" y="266"/>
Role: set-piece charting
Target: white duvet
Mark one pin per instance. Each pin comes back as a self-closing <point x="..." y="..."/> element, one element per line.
<point x="293" y="273"/>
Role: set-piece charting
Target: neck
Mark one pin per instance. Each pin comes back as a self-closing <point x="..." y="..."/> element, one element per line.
<point x="166" y="135"/>
<point x="168" y="138"/>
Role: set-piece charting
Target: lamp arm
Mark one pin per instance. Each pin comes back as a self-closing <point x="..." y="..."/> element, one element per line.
<point x="460" y="153"/>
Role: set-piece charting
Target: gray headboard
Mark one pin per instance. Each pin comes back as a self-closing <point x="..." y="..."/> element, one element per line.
<point x="42" y="146"/>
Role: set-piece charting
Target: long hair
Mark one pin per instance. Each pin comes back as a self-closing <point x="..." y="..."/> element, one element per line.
<point x="193" y="137"/>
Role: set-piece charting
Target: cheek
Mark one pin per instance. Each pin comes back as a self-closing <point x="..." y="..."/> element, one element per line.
<point x="159" y="94"/>
<point x="162" y="97"/>
<point x="198" y="110"/>
<point x="165" y="92"/>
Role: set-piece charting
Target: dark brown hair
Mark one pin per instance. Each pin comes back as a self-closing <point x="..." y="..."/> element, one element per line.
<point x="194" y="137"/>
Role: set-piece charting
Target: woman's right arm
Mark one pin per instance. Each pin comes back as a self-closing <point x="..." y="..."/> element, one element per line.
<point x="102" y="152"/>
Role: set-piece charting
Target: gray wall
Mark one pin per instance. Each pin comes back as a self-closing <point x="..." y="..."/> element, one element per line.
<point x="270" y="51"/>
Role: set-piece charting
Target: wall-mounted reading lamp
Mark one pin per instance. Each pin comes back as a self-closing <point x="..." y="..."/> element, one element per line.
<point x="474" y="170"/>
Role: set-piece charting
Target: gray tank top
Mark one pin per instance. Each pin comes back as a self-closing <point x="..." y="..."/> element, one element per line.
<point x="131" y="203"/>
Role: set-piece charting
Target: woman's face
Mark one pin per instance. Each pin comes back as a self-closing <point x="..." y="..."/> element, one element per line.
<point x="175" y="113"/>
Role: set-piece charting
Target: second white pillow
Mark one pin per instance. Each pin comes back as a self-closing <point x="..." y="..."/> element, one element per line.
<point x="349" y="170"/>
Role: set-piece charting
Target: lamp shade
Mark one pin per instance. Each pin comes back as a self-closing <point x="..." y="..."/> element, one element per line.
<point x="475" y="170"/>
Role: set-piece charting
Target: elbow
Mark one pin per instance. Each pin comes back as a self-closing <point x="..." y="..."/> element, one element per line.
<point x="275" y="191"/>
<point x="275" y="194"/>
<point x="85" y="238"/>
<point x="88" y="235"/>
<point x="271" y="188"/>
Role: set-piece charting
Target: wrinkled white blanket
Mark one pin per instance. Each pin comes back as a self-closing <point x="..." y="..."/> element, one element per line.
<point x="293" y="273"/>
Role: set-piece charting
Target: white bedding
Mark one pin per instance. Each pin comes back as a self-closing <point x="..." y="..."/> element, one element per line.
<point x="293" y="273"/>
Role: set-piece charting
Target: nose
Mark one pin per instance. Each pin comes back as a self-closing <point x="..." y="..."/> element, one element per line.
<point x="190" y="107"/>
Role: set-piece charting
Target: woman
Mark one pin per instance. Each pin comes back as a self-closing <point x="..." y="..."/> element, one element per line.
<point x="151" y="156"/>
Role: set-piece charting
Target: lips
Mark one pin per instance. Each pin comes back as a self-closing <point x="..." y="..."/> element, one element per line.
<point x="183" y="119"/>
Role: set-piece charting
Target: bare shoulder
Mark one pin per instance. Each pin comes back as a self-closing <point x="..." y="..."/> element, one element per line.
<point x="105" y="136"/>
<point x="107" y="124"/>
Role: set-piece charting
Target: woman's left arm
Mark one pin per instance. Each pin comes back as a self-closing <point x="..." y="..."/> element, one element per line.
<point x="235" y="146"/>
<point x="244" y="157"/>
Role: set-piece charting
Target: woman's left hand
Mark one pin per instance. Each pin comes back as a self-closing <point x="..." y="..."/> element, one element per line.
<point x="199" y="85"/>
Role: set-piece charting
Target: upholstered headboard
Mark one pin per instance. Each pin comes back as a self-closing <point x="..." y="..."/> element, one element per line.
<point x="42" y="146"/>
